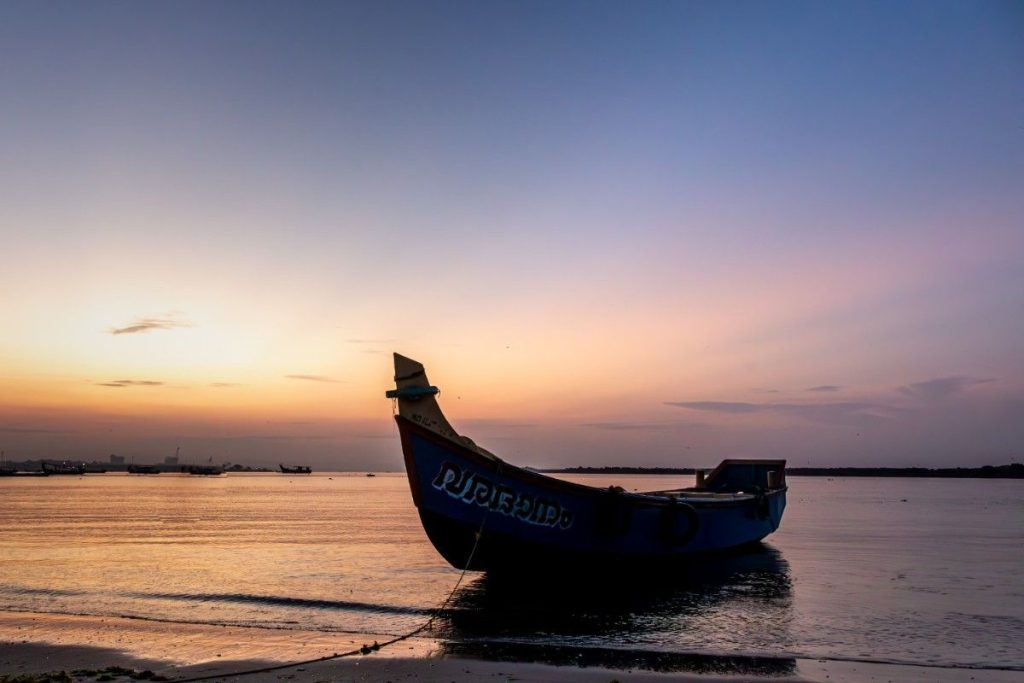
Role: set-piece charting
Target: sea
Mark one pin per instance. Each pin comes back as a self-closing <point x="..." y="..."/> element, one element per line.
<point x="926" y="572"/>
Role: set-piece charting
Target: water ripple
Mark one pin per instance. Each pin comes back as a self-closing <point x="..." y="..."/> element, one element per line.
<point x="283" y="601"/>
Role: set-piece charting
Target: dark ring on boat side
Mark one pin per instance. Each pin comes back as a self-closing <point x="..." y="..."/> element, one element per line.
<point x="412" y="392"/>
<point x="668" y="527"/>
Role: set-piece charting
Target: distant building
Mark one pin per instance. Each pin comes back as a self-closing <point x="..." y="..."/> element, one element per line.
<point x="116" y="459"/>
<point x="171" y="460"/>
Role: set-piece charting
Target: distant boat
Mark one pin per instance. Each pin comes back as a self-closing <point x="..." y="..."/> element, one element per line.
<point x="63" y="468"/>
<point x="5" y="469"/>
<point x="370" y="474"/>
<point x="208" y="470"/>
<point x="143" y="469"/>
<point x="205" y="470"/>
<point x="483" y="513"/>
<point x="297" y="469"/>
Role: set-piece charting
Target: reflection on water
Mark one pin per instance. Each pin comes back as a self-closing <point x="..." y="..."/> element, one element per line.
<point x="612" y="658"/>
<point x="284" y="601"/>
<point x="745" y="599"/>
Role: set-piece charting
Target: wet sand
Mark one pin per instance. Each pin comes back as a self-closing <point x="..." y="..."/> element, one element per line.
<point x="34" y="643"/>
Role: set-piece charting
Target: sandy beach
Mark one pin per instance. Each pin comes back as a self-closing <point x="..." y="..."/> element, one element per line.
<point x="36" y="643"/>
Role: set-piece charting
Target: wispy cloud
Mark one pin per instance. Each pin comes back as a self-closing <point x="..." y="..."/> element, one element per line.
<point x="825" y="388"/>
<point x="372" y="346"/>
<point x="314" y="378"/>
<point x="120" y="383"/>
<point x="941" y="387"/>
<point x="633" y="426"/>
<point x="140" y="325"/>
<point x="240" y="438"/>
<point x="31" y="430"/>
<point x="286" y="437"/>
<point x="720" y="406"/>
<point x="222" y="385"/>
<point x="490" y="423"/>
<point x="842" y="412"/>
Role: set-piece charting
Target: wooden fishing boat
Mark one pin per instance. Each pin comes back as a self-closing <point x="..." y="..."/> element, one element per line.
<point x="297" y="469"/>
<point x="143" y="469"/>
<point x="204" y="470"/>
<point x="483" y="513"/>
<point x="62" y="468"/>
<point x="5" y="469"/>
<point x="207" y="470"/>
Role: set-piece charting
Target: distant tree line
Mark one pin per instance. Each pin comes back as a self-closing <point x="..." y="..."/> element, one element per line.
<point x="1012" y="471"/>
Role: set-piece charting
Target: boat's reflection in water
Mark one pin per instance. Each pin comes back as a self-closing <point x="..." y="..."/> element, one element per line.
<point x="709" y="618"/>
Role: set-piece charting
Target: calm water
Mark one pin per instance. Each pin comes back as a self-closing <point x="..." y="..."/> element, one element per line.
<point x="922" y="571"/>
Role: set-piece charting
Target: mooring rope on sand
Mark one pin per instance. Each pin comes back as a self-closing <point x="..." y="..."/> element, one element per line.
<point x="365" y="649"/>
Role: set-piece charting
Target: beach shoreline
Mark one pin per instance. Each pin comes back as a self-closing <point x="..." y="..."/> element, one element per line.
<point x="33" y="643"/>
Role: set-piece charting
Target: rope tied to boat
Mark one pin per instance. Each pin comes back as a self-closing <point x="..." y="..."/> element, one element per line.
<point x="364" y="649"/>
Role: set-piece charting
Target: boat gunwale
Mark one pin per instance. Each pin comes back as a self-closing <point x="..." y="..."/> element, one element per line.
<point x="702" y="499"/>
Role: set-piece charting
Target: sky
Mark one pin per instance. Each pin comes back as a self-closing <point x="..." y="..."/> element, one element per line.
<point x="638" y="233"/>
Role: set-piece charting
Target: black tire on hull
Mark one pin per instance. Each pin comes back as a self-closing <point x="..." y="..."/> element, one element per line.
<point x="675" y="517"/>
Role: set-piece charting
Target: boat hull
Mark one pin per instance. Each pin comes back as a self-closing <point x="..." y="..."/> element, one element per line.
<point x="62" y="469"/>
<point x="204" y="470"/>
<point x="529" y="520"/>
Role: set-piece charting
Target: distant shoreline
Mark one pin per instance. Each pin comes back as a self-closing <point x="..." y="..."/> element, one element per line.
<point x="1012" y="471"/>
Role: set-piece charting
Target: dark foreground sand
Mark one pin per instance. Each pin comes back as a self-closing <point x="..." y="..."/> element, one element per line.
<point x="32" y="643"/>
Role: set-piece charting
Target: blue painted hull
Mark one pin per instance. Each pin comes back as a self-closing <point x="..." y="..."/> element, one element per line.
<point x="527" y="519"/>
